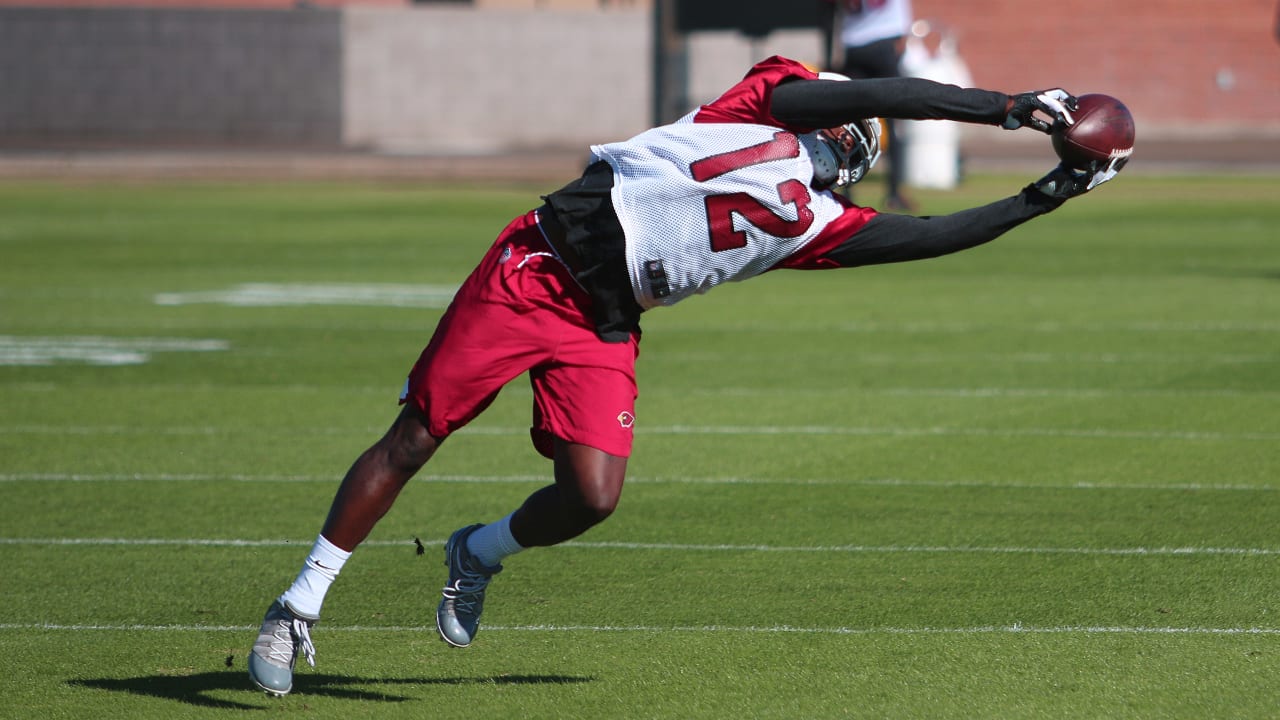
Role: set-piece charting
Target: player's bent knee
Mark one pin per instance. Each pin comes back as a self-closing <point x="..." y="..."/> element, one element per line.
<point x="595" y="509"/>
<point x="590" y="481"/>
<point x="408" y="444"/>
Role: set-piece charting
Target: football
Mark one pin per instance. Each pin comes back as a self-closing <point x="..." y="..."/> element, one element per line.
<point x="1103" y="130"/>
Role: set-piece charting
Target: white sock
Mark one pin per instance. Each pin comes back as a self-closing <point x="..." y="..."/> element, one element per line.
<point x="493" y="542"/>
<point x="306" y="594"/>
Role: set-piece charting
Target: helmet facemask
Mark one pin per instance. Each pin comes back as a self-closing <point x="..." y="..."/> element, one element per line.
<point x="843" y="155"/>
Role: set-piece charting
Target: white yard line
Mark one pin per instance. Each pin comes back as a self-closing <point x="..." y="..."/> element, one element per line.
<point x="748" y="430"/>
<point x="278" y="294"/>
<point x="37" y="477"/>
<point x="1014" y="629"/>
<point x="727" y="392"/>
<point x="969" y="392"/>
<point x="1030" y="358"/>
<point x="96" y="350"/>
<point x="929" y="327"/>
<point x="679" y="547"/>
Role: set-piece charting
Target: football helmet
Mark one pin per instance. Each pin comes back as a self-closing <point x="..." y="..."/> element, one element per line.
<point x="842" y="155"/>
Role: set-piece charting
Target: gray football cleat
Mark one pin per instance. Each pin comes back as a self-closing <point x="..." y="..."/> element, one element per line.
<point x="283" y="635"/>
<point x="458" y="616"/>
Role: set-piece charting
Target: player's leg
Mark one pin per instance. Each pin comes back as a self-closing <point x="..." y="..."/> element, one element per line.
<point x="472" y="354"/>
<point x="588" y="483"/>
<point x="586" y="491"/>
<point x="368" y="491"/>
<point x="895" y="198"/>
<point x="376" y="478"/>
<point x="584" y="413"/>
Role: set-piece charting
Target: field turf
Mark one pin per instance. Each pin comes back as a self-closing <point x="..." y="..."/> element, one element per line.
<point x="1039" y="479"/>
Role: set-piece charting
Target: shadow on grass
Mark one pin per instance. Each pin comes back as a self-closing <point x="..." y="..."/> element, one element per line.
<point x="195" y="689"/>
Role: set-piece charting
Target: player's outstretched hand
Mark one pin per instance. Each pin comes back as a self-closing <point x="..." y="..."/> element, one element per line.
<point x="1056" y="103"/>
<point x="1065" y="183"/>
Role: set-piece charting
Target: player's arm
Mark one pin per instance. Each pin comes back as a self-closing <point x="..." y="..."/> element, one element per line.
<point x="890" y="238"/>
<point x="827" y="103"/>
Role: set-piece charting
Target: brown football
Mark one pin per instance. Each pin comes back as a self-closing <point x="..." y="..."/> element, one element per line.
<point x="1103" y="129"/>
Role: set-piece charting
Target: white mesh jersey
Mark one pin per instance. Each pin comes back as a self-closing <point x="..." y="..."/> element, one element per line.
<point x="706" y="203"/>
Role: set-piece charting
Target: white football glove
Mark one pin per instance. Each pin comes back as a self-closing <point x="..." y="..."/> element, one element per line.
<point x="1065" y="183"/>
<point x="1057" y="103"/>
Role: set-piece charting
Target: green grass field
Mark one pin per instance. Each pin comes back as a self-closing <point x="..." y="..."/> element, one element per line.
<point x="1040" y="479"/>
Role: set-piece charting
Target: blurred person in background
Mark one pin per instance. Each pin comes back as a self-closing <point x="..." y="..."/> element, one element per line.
<point x="866" y="39"/>
<point x="745" y="184"/>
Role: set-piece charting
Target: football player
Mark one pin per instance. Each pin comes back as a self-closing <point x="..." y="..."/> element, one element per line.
<point x="743" y="185"/>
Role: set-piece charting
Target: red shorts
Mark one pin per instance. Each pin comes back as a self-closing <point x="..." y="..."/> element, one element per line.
<point x="521" y="310"/>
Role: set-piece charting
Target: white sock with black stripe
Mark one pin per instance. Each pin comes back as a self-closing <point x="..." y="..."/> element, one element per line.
<point x="305" y="596"/>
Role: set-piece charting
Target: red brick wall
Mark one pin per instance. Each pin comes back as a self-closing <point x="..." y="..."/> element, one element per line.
<point x="1178" y="64"/>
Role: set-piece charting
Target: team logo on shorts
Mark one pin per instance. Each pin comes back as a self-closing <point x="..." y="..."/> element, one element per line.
<point x="626" y="419"/>
<point x="506" y="254"/>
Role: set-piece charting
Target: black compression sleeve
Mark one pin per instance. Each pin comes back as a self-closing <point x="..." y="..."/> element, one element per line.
<point x="828" y="103"/>
<point x="889" y="238"/>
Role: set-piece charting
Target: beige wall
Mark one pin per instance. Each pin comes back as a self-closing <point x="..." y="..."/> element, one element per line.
<point x="562" y="4"/>
<point x="443" y="79"/>
<point x="265" y="4"/>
